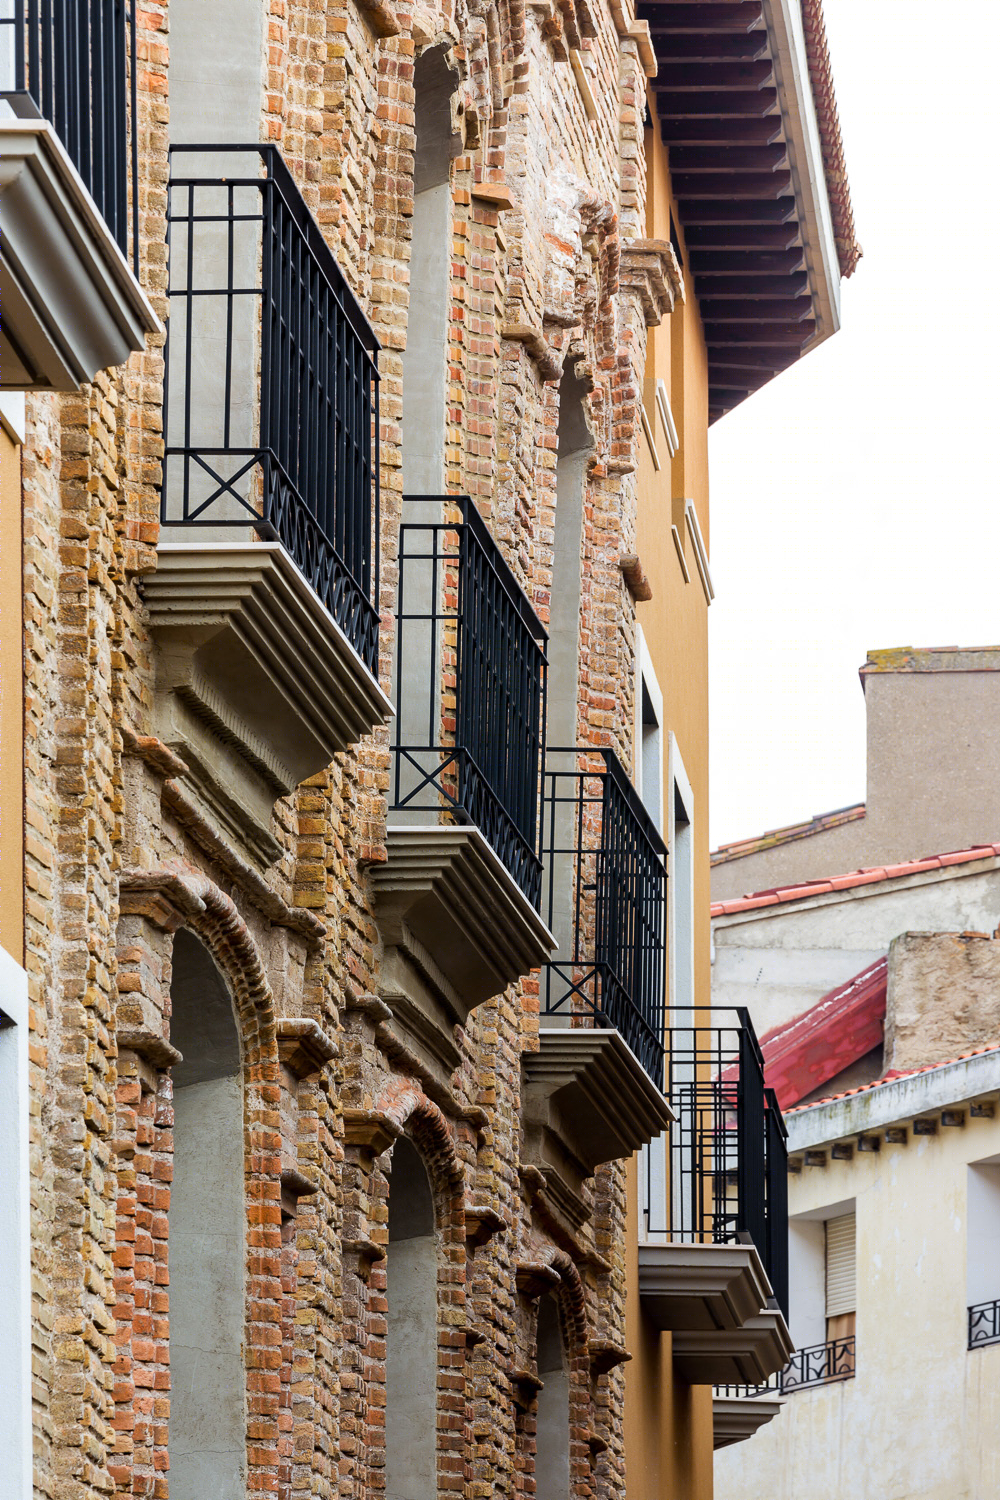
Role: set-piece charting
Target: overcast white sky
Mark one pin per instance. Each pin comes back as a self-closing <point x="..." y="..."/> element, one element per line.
<point x="855" y="499"/>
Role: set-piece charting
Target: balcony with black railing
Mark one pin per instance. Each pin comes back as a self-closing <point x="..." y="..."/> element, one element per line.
<point x="984" y="1324"/>
<point x="605" y="893"/>
<point x="715" y="1265"/>
<point x="267" y="573"/>
<point x="463" y="877"/>
<point x="67" y="84"/>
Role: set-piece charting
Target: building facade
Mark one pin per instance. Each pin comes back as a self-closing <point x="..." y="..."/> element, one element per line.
<point x="346" y="764"/>
<point x="894" y="1209"/>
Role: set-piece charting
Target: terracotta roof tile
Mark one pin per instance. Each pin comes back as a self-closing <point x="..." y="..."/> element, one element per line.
<point x="844" y="1026"/>
<point x="774" y="837"/>
<point x="831" y="141"/>
<point x="871" y="876"/>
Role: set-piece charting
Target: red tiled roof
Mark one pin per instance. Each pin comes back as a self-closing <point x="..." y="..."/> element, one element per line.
<point x="788" y="834"/>
<point x="831" y="141"/>
<point x="847" y="1023"/>
<point x="896" y="1073"/>
<point x="779" y="894"/>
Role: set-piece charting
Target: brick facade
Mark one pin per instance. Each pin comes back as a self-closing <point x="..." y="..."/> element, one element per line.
<point x="119" y="857"/>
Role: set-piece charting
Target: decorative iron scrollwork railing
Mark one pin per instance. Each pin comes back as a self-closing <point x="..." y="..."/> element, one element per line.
<point x="728" y="1152"/>
<point x="271" y="398"/>
<point x="70" y="62"/>
<point x="605" y="901"/>
<point x="984" y="1324"/>
<point x="819" y="1364"/>
<point x="470" y="677"/>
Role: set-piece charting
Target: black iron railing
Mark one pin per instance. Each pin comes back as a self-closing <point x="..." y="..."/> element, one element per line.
<point x="605" y="901"/>
<point x="819" y="1364"/>
<point x="271" y="401"/>
<point x="984" y="1324"/>
<point x="470" y="677"/>
<point x="728" y="1153"/>
<point x="67" y="61"/>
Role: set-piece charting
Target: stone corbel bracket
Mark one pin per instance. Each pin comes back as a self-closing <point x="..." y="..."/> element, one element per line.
<point x="304" y="1047"/>
<point x="651" y="272"/>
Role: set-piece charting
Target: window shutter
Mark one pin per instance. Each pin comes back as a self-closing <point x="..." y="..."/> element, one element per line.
<point x="840" y="1266"/>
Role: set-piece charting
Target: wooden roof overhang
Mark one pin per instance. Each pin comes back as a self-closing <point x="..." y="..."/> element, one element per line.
<point x="735" y="109"/>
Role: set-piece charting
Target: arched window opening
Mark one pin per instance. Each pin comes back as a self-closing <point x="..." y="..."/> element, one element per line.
<point x="425" y="362"/>
<point x="207" y="1236"/>
<point x="411" y="1332"/>
<point x="552" y="1422"/>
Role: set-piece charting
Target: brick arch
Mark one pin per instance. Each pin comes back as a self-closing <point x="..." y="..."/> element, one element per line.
<point x="154" y="906"/>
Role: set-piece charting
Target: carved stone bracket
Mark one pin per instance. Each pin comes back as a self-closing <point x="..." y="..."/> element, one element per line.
<point x="535" y="1278"/>
<point x="605" y="1356"/>
<point x="303" y="1046"/>
<point x="370" y="1129"/>
<point x="650" y="271"/>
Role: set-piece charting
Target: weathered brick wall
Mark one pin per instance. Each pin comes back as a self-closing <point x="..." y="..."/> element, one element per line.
<point x="117" y="857"/>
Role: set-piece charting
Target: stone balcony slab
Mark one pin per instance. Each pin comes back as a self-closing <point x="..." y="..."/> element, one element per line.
<point x="737" y="1418"/>
<point x="706" y="1288"/>
<point x="257" y="685"/>
<point x="71" y="305"/>
<point x="586" y="1100"/>
<point x="742" y="1356"/>
<point x="455" y="916"/>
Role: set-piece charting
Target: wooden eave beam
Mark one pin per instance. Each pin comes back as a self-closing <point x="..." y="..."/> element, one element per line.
<point x="761" y="211"/>
<point x="743" y="288"/>
<point x="728" y="237"/>
<point x="710" y="46"/>
<point x="713" y="186"/>
<point x="762" y="335"/>
<point x="718" y="105"/>
<point x="748" y="131"/>
<point x="745" y="262"/>
<point x="679" y="15"/>
<point x="695" y="78"/>
<point x="763" y="357"/>
<point x="729" y="159"/>
<point x="755" y="310"/>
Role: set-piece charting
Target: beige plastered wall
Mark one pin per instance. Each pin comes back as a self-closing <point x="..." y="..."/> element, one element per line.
<point x="11" y="699"/>
<point x="921" y="1418"/>
<point x="668" y="1424"/>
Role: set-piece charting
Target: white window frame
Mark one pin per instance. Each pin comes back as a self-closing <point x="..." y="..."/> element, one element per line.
<point x="15" y="1244"/>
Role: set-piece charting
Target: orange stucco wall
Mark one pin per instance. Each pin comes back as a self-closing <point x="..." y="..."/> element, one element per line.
<point x="11" y="698"/>
<point x="668" y="1437"/>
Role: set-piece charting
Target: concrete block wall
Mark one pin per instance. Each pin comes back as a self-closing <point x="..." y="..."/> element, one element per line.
<point x="118" y="858"/>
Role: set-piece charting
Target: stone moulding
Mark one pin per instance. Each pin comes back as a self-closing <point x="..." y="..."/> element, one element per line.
<point x="650" y="271"/>
<point x="247" y="644"/>
<point x="736" y="1418"/>
<point x="744" y="1356"/>
<point x="706" y="1288"/>
<point x="71" y="306"/>
<point x="443" y="891"/>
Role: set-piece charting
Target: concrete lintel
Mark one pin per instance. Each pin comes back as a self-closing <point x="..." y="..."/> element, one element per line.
<point x="443" y="889"/>
<point x="707" y="1288"/>
<point x="736" y="1418"/>
<point x="71" y="304"/>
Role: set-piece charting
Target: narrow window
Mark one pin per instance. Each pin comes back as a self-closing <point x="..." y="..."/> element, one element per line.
<point x="411" y="1358"/>
<point x="841" y="1297"/>
<point x="207" y="1236"/>
<point x="425" y="361"/>
<point x="552" y="1426"/>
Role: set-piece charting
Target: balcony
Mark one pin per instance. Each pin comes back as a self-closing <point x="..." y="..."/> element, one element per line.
<point x="819" y="1364"/>
<point x="263" y="597"/>
<point x="716" y="1272"/>
<point x="605" y="892"/>
<point x="71" y="304"/>
<point x="458" y="900"/>
<point x="984" y="1324"/>
<point x="740" y="1411"/>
